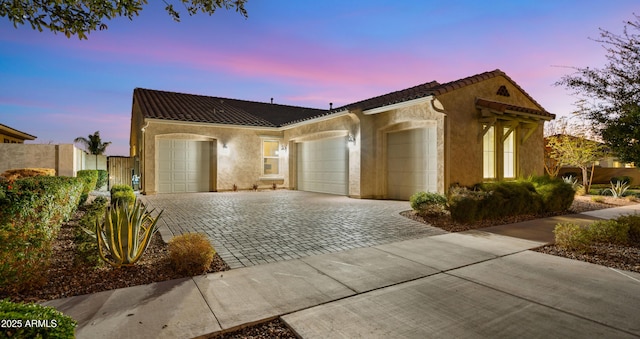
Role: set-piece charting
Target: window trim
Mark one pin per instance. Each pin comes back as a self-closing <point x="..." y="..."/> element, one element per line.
<point x="278" y="175"/>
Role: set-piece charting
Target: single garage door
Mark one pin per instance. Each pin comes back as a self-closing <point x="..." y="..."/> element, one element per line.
<point x="183" y="166"/>
<point x="323" y="166"/>
<point x="412" y="162"/>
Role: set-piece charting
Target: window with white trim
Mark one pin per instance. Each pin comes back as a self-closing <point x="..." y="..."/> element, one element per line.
<point x="489" y="153"/>
<point x="509" y="154"/>
<point x="271" y="158"/>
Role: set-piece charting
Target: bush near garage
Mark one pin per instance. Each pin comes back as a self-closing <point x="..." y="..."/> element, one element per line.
<point x="122" y="194"/>
<point x="428" y="203"/>
<point x="508" y="198"/>
<point x="31" y="213"/>
<point x="49" y="322"/>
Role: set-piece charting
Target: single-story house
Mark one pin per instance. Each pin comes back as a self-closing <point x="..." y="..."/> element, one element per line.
<point x="10" y="135"/>
<point x="423" y="138"/>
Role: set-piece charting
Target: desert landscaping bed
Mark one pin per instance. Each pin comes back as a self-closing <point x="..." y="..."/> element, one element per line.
<point x="610" y="255"/>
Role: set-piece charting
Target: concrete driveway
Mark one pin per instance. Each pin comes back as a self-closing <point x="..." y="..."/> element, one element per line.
<point x="251" y="228"/>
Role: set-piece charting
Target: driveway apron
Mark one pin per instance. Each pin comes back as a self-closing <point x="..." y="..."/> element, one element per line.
<point x="251" y="228"/>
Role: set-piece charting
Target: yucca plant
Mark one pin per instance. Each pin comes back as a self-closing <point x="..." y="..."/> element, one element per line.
<point x="125" y="233"/>
<point x="619" y="189"/>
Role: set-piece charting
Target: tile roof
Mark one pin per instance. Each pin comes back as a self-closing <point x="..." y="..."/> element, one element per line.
<point x="199" y="108"/>
<point x="433" y="88"/>
<point x="502" y="107"/>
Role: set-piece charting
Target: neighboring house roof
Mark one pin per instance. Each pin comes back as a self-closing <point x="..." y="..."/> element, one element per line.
<point x="198" y="108"/>
<point x="4" y="129"/>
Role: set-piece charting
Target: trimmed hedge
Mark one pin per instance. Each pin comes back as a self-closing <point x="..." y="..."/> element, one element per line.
<point x="623" y="230"/>
<point x="34" y="321"/>
<point x="121" y="194"/>
<point x="90" y="178"/>
<point x="502" y="199"/>
<point x="103" y="179"/>
<point x="31" y="213"/>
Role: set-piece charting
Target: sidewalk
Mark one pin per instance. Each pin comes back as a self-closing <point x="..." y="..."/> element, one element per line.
<point x="475" y="283"/>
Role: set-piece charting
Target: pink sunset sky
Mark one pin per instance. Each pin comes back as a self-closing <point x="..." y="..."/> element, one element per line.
<point x="303" y="53"/>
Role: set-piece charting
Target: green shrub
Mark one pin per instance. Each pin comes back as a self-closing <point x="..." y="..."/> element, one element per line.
<point x="617" y="231"/>
<point x="103" y="179"/>
<point x="556" y="194"/>
<point x="624" y="179"/>
<point x="123" y="197"/>
<point x="597" y="198"/>
<point x="571" y="236"/>
<point x="31" y="213"/>
<point x="633" y="222"/>
<point x="191" y="253"/>
<point x="428" y="203"/>
<point x="465" y="204"/>
<point x="508" y="198"/>
<point x="118" y="188"/>
<point x="90" y="178"/>
<point x="34" y="321"/>
<point x="86" y="245"/>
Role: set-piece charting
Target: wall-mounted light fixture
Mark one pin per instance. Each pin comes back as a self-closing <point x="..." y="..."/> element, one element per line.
<point x="351" y="141"/>
<point x="225" y="150"/>
<point x="283" y="149"/>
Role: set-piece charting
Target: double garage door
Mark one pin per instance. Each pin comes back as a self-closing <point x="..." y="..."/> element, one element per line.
<point x="183" y="166"/>
<point x="323" y="166"/>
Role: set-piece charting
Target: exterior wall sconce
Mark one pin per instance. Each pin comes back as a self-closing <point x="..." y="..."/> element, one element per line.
<point x="351" y="141"/>
<point x="225" y="150"/>
<point x="283" y="149"/>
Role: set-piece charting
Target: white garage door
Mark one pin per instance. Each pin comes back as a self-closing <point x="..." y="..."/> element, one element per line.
<point x="183" y="166"/>
<point x="323" y="166"/>
<point x="412" y="162"/>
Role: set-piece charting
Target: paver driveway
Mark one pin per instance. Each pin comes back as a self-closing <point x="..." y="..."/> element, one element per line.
<point x="250" y="228"/>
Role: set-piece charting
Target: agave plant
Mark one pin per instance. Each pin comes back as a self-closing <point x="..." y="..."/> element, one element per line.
<point x="619" y="189"/>
<point x="125" y="233"/>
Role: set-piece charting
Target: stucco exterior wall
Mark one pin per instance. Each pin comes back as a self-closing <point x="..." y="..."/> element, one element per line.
<point x="464" y="158"/>
<point x="242" y="166"/>
<point x="409" y="117"/>
<point x="341" y="125"/>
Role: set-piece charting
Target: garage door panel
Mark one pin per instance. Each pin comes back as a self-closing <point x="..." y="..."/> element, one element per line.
<point x="183" y="166"/>
<point x="411" y="162"/>
<point x="323" y="166"/>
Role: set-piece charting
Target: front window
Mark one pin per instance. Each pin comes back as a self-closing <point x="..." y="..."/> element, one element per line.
<point x="489" y="154"/>
<point x="509" y="152"/>
<point x="271" y="159"/>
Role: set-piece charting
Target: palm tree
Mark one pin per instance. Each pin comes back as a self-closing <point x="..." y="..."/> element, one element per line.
<point x="93" y="144"/>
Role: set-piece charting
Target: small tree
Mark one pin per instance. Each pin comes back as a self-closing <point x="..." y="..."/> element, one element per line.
<point x="576" y="151"/>
<point x="613" y="91"/>
<point x="93" y="144"/>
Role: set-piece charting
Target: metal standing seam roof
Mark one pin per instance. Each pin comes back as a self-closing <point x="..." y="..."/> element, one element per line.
<point x="198" y="108"/>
